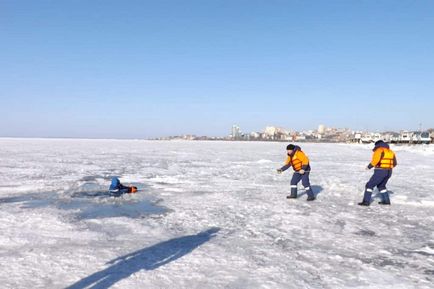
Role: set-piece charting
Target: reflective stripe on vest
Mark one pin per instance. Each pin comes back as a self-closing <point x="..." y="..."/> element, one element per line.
<point x="387" y="160"/>
<point x="296" y="163"/>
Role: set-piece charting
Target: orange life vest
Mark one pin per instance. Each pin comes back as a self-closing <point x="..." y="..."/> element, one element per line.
<point x="387" y="159"/>
<point x="297" y="160"/>
<point x="296" y="163"/>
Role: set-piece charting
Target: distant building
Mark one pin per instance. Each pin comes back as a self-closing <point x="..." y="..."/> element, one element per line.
<point x="388" y="136"/>
<point x="394" y="138"/>
<point x="270" y="131"/>
<point x="405" y="137"/>
<point x="236" y="132"/>
<point x="370" y="137"/>
<point x="421" y="137"/>
<point x="366" y="138"/>
<point x="431" y="133"/>
<point x="377" y="136"/>
<point x="276" y="133"/>
<point x="357" y="137"/>
<point x="300" y="138"/>
<point x="255" y="135"/>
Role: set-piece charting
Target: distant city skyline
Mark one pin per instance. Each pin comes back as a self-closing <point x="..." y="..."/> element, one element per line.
<point x="321" y="134"/>
<point x="236" y="131"/>
<point x="142" y="69"/>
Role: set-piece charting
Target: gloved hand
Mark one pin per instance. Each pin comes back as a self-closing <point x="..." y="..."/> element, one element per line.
<point x="279" y="171"/>
<point x="301" y="172"/>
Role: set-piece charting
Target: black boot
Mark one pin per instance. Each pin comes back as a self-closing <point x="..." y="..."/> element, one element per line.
<point x="293" y="193"/>
<point x="385" y="200"/>
<point x="310" y="194"/>
<point x="366" y="198"/>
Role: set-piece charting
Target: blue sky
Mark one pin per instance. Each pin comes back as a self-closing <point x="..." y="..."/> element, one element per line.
<point x="154" y="68"/>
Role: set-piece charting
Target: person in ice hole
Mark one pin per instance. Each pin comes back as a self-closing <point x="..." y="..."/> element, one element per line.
<point x="117" y="189"/>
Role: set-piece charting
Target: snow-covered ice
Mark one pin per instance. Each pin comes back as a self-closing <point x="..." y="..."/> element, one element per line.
<point x="209" y="215"/>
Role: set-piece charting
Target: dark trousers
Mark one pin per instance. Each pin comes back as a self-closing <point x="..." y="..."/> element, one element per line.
<point x="379" y="179"/>
<point x="296" y="178"/>
<point x="304" y="178"/>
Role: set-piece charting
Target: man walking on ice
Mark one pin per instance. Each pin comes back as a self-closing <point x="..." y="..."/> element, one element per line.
<point x="383" y="160"/>
<point x="300" y="163"/>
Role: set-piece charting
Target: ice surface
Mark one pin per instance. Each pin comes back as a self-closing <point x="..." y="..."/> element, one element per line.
<point x="209" y="215"/>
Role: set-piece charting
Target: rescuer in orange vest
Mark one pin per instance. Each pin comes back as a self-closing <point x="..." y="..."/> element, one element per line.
<point x="300" y="163"/>
<point x="383" y="160"/>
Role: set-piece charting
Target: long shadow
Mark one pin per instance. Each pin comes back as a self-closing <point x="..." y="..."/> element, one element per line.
<point x="145" y="259"/>
<point x="315" y="189"/>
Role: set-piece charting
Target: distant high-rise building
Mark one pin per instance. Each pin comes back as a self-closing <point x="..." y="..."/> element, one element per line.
<point x="321" y="129"/>
<point x="276" y="133"/>
<point x="270" y="131"/>
<point x="236" y="132"/>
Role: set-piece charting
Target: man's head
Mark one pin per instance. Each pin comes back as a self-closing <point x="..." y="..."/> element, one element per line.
<point x="380" y="144"/>
<point x="290" y="149"/>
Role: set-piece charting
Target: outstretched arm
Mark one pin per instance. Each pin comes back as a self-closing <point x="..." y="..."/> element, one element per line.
<point x="285" y="167"/>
